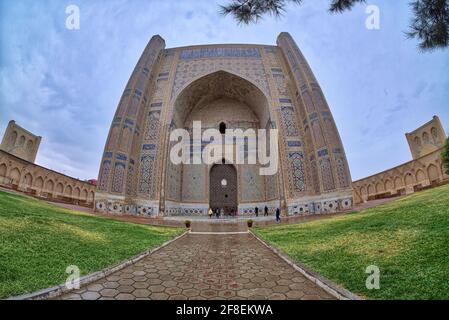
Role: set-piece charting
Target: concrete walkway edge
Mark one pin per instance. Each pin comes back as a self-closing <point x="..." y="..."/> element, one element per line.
<point x="324" y="283"/>
<point x="61" y="289"/>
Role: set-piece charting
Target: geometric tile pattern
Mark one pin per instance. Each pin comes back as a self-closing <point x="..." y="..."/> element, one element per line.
<point x="289" y="121"/>
<point x="130" y="181"/>
<point x="250" y="68"/>
<point x="146" y="175"/>
<point x="174" y="175"/>
<point x="251" y="183"/>
<point x="342" y="172"/>
<point x="297" y="176"/>
<point x="152" y="126"/>
<point x="104" y="175"/>
<point x="117" y="181"/>
<point x="271" y="186"/>
<point x="326" y="174"/>
<point x="219" y="53"/>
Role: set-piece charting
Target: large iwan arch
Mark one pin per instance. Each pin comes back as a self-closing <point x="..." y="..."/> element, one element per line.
<point x="219" y="99"/>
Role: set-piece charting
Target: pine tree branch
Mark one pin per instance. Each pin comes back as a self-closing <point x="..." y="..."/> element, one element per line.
<point x="430" y="23"/>
<point x="338" y="6"/>
<point x="251" y="11"/>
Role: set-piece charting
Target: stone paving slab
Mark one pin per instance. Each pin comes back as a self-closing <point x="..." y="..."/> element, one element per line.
<point x="213" y="266"/>
<point x="198" y="226"/>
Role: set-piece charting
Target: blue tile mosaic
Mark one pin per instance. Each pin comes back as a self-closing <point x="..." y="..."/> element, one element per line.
<point x="220" y="53"/>
<point x="323" y="153"/>
<point x="149" y="147"/>
<point x="294" y="143"/>
<point x="121" y="156"/>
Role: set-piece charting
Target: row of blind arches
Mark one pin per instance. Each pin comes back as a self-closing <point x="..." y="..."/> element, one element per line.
<point x="15" y="141"/>
<point x="399" y="182"/>
<point x="49" y="186"/>
<point x="425" y="137"/>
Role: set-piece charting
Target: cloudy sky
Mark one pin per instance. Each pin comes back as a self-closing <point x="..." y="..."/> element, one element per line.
<point x="65" y="84"/>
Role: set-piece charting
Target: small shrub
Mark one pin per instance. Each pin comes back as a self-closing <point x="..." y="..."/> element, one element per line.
<point x="249" y="223"/>
<point x="188" y="223"/>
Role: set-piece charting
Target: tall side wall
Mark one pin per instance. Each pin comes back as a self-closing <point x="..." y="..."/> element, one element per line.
<point x="423" y="172"/>
<point x="121" y="161"/>
<point x="329" y="176"/>
<point x="40" y="182"/>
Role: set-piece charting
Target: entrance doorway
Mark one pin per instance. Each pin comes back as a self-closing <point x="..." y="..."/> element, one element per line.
<point x="223" y="188"/>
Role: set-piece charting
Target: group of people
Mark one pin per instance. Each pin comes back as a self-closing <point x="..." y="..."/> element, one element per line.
<point x="220" y="212"/>
<point x="265" y="213"/>
<point x="215" y="212"/>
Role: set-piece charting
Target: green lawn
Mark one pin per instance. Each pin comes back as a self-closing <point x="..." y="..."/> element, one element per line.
<point x="407" y="239"/>
<point x="38" y="241"/>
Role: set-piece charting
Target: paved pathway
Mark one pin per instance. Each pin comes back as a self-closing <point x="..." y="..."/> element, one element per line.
<point x="206" y="266"/>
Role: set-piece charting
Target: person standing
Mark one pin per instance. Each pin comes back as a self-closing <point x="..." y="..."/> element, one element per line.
<point x="265" y="213"/>
<point x="210" y="213"/>
<point x="278" y="215"/>
<point x="221" y="213"/>
<point x="256" y="211"/>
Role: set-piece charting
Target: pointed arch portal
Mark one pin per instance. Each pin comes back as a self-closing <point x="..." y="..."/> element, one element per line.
<point x="223" y="188"/>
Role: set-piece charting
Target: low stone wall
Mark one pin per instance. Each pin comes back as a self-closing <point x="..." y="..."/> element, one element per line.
<point x="421" y="173"/>
<point x="332" y="202"/>
<point x="29" y="178"/>
<point x="312" y="205"/>
<point x="192" y="209"/>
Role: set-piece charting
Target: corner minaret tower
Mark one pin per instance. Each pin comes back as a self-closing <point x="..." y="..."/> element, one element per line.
<point x="326" y="156"/>
<point x="117" y="178"/>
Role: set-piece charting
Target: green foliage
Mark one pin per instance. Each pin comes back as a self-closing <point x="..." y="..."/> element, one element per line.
<point x="407" y="239"/>
<point x="430" y="22"/>
<point x="38" y="241"/>
<point x="445" y="156"/>
<point x="342" y="5"/>
<point x="246" y="11"/>
<point x="251" y="11"/>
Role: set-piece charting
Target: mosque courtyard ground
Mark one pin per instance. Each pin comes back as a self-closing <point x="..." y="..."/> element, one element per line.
<point x="407" y="239"/>
<point x="38" y="241"/>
